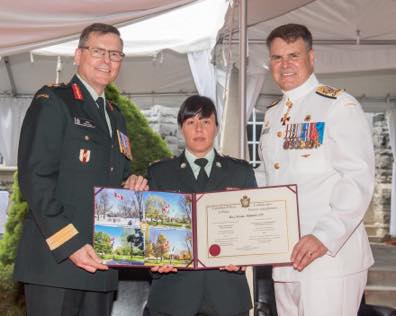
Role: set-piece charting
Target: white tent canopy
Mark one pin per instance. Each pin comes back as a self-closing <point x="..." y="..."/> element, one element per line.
<point x="25" y="25"/>
<point x="180" y="30"/>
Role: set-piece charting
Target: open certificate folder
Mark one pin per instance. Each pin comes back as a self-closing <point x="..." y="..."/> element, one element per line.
<point x="196" y="231"/>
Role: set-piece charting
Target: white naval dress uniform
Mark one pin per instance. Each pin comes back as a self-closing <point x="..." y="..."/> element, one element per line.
<point x="335" y="183"/>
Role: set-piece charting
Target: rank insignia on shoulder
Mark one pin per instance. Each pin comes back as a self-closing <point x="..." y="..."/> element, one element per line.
<point x="328" y="92"/>
<point x="77" y="92"/>
<point x="42" y="96"/>
<point x="56" y="85"/>
<point x="275" y="102"/>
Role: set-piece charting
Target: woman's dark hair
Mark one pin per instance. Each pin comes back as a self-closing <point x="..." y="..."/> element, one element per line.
<point x="194" y="105"/>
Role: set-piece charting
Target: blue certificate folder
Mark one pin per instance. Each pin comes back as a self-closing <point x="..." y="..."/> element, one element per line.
<point x="143" y="229"/>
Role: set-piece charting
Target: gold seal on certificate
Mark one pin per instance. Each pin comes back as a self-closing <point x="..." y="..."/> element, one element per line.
<point x="196" y="231"/>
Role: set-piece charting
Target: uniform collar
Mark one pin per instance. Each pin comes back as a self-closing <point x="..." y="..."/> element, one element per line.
<point x="310" y="84"/>
<point x="195" y="168"/>
<point x="91" y="90"/>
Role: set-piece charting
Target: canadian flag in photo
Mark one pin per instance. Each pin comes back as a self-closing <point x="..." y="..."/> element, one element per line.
<point x="118" y="196"/>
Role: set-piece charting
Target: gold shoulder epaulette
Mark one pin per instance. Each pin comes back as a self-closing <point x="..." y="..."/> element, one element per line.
<point x="275" y="102"/>
<point x="41" y="96"/>
<point x="328" y="92"/>
<point x="161" y="160"/>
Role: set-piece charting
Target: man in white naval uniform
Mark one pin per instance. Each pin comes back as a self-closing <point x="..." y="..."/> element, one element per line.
<point x="318" y="138"/>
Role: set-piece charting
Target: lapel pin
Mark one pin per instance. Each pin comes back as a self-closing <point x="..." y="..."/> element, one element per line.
<point x="183" y="165"/>
<point x="218" y="164"/>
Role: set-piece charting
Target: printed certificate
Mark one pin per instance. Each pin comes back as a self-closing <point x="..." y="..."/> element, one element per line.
<point x="247" y="227"/>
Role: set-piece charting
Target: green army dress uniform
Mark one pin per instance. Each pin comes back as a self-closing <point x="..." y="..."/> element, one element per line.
<point x="65" y="150"/>
<point x="182" y="293"/>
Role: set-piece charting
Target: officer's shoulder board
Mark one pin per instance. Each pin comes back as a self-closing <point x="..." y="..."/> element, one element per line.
<point x="273" y="103"/>
<point x="328" y="92"/>
<point x="56" y="85"/>
<point x="160" y="161"/>
<point x="42" y="94"/>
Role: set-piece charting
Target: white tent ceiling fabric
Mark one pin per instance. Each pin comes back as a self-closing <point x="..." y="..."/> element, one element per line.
<point x="181" y="30"/>
<point x="26" y="24"/>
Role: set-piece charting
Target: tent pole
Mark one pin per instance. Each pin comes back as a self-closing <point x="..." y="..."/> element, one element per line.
<point x="10" y="76"/>
<point x="242" y="74"/>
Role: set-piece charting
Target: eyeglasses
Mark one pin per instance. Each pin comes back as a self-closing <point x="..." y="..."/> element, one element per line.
<point x="97" y="52"/>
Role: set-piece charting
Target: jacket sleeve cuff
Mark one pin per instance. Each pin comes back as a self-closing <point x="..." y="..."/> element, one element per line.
<point x="65" y="242"/>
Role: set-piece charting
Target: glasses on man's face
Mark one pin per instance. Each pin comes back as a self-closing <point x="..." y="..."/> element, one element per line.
<point x="96" y="52"/>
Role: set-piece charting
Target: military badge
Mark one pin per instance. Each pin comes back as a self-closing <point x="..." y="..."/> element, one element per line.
<point x="77" y="92"/>
<point x="328" y="92"/>
<point x="84" y="122"/>
<point x="286" y="117"/>
<point x="124" y="145"/>
<point x="245" y="201"/>
<point x="85" y="155"/>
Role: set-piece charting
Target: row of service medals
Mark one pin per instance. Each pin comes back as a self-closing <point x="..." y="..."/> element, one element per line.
<point x="303" y="135"/>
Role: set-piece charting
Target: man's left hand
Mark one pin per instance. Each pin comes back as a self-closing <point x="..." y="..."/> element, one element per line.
<point x="136" y="183"/>
<point x="306" y="251"/>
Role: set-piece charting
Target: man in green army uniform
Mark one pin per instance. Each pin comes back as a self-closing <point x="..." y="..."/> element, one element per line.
<point x="199" y="169"/>
<point x="69" y="143"/>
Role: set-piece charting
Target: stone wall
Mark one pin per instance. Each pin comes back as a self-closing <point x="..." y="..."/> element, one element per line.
<point x="378" y="216"/>
<point x="163" y="120"/>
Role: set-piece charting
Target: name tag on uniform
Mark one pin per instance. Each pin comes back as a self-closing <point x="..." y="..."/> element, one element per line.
<point x="83" y="122"/>
<point x="124" y="144"/>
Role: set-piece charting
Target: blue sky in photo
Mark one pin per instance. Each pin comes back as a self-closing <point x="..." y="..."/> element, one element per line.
<point x="171" y="198"/>
<point x="113" y="231"/>
<point x="176" y="237"/>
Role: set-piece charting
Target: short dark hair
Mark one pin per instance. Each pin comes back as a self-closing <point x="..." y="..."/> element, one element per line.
<point x="98" y="28"/>
<point x="290" y="33"/>
<point x="194" y="105"/>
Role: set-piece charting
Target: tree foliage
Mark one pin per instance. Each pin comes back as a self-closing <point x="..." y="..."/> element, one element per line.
<point x="103" y="243"/>
<point x="147" y="145"/>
